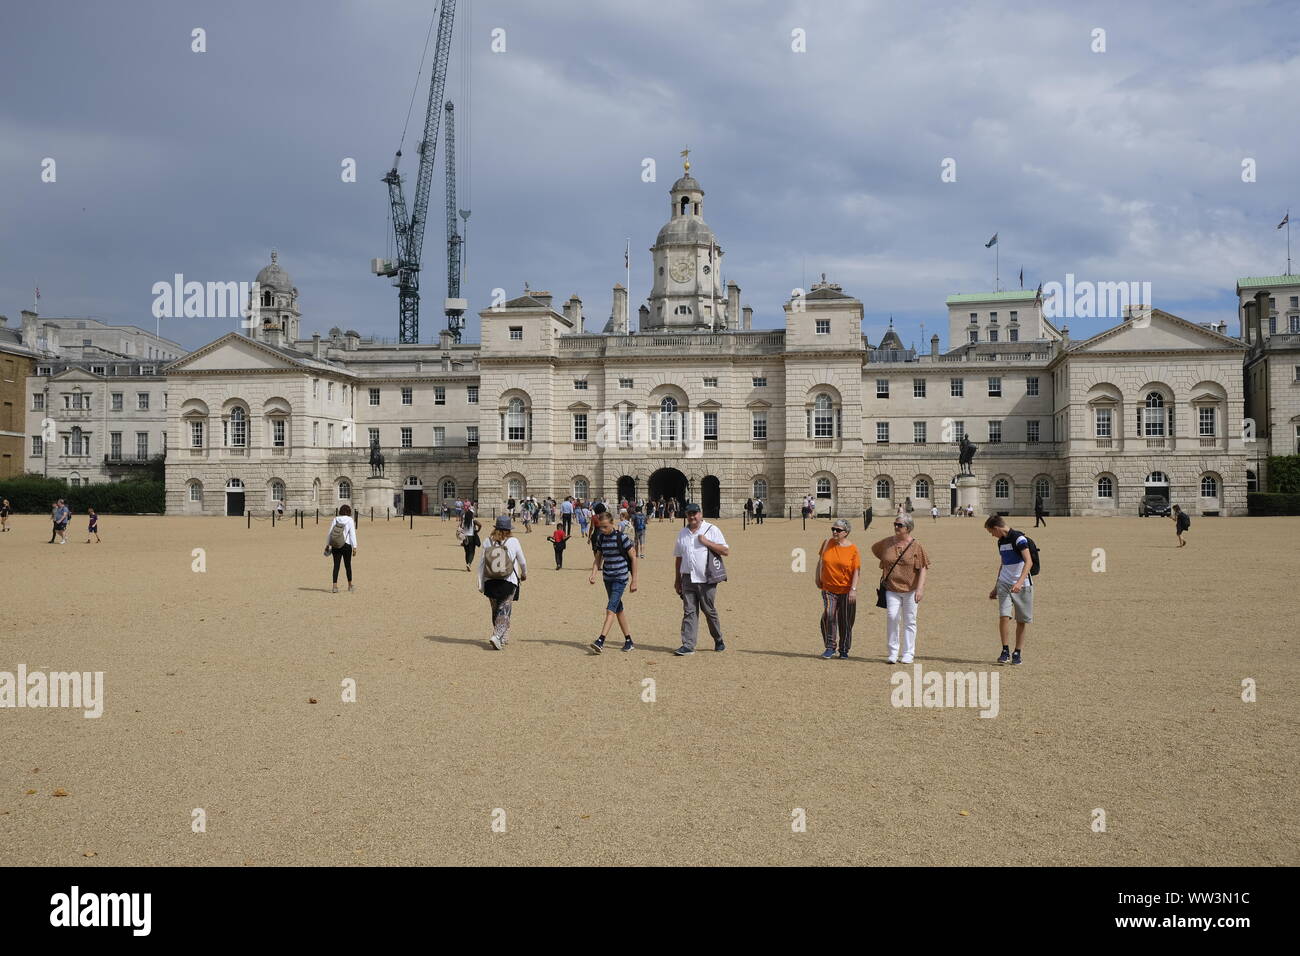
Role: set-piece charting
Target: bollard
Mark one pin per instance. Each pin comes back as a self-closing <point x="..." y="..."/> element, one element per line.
<point x="249" y="516"/>
<point x="372" y="515"/>
<point x="272" y="517"/>
<point x="864" y="519"/>
<point x="389" y="513"/>
<point x="412" y="528"/>
<point x="805" y="521"/>
<point x="318" y="516"/>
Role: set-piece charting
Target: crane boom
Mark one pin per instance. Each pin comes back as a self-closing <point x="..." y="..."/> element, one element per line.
<point x="455" y="306"/>
<point x="409" y="230"/>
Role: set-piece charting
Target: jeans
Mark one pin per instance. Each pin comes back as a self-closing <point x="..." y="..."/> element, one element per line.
<point x="614" y="587"/>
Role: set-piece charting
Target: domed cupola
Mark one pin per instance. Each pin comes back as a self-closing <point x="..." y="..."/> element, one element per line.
<point x="685" y="290"/>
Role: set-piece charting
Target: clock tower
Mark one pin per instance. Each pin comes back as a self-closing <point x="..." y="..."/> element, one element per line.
<point x="686" y="292"/>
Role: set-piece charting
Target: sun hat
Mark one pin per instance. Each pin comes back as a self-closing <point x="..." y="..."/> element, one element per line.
<point x="503" y="523"/>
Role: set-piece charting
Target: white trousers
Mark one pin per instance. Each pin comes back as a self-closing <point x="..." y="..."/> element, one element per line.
<point x="900" y="617"/>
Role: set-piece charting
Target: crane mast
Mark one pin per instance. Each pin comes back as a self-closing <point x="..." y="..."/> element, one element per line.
<point x="408" y="230"/>
<point x="454" y="306"/>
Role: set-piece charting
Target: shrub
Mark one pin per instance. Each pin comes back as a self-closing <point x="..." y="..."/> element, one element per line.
<point x="1272" y="503"/>
<point x="32" y="494"/>
<point x="1284" y="474"/>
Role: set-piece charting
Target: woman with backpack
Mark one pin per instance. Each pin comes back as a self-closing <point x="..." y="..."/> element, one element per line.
<point x="341" y="543"/>
<point x="1182" y="521"/>
<point x="470" y="541"/>
<point x="558" y="539"/>
<point x="500" y="572"/>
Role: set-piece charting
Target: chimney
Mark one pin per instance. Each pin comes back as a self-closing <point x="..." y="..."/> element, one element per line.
<point x="618" y="317"/>
<point x="574" y="308"/>
<point x="315" y="345"/>
<point x="934" y="344"/>
<point x="542" y="297"/>
<point x="749" y="318"/>
<point x="1262" y="312"/>
<point x="1065" y="336"/>
<point x="568" y="310"/>
<point x="4" y="321"/>
<point x="351" y="339"/>
<point x="444" y="340"/>
<point x="733" y="305"/>
<point x="642" y="317"/>
<point x="29" y="329"/>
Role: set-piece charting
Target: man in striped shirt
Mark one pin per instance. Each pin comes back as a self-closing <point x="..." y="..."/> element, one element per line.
<point x="615" y="558"/>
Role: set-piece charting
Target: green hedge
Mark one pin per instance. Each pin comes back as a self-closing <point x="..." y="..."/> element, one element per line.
<point x="33" y="494"/>
<point x="1269" y="503"/>
<point x="1284" y="474"/>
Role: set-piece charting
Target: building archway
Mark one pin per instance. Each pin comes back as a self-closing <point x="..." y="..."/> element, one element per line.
<point x="235" y="498"/>
<point x="627" y="488"/>
<point x="668" y="483"/>
<point x="711" y="496"/>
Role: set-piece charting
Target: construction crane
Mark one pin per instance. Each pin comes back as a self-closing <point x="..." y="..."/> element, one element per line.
<point x="454" y="306"/>
<point x="409" y="229"/>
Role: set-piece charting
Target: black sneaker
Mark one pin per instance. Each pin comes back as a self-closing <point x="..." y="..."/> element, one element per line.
<point x="627" y="644"/>
<point x="598" y="644"/>
<point x="1015" y="658"/>
<point x="719" y="646"/>
<point x="1006" y="657"/>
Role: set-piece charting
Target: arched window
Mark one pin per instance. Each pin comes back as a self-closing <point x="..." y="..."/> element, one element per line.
<point x="413" y="481"/>
<point x="668" y="419"/>
<point x="883" y="488"/>
<point x="580" y="488"/>
<point x="1252" y="481"/>
<point x="922" y="488"/>
<point x="76" y="443"/>
<point x="1157" y="478"/>
<point x="686" y="204"/>
<point x="1209" y="486"/>
<point x="1153" y="416"/>
<point x="345" y="490"/>
<point x="449" y="488"/>
<point x="1043" y="488"/>
<point x="196" y="491"/>
<point x="238" y="428"/>
<point x="823" y="417"/>
<point x="277" y="491"/>
<point x="760" y="487"/>
<point x="823" y="487"/>
<point x="266" y="298"/>
<point x="235" y="484"/>
<point x="516" y="420"/>
<point x="515" y="488"/>
<point x="1105" y="487"/>
<point x="1001" y="488"/>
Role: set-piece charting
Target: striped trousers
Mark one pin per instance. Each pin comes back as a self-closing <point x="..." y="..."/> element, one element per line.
<point x="838" y="613"/>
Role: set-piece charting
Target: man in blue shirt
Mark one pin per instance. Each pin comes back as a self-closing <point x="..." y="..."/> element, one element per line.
<point x="566" y="514"/>
<point x="616" y="560"/>
<point x="62" y="514"/>
<point x="1014" y="590"/>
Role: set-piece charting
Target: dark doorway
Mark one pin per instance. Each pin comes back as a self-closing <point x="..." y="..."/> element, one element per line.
<point x="668" y="483"/>
<point x="235" y="503"/>
<point x="952" y="506"/>
<point x="711" y="496"/>
<point x="413" y="501"/>
<point x="627" y="488"/>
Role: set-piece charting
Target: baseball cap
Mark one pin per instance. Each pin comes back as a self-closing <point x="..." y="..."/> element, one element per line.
<point x="691" y="506"/>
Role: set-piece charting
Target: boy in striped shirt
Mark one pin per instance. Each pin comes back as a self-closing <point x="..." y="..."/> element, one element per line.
<point x="616" y="559"/>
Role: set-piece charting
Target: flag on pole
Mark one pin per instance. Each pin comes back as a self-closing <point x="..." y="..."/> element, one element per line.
<point x="1022" y="277"/>
<point x="627" y="251"/>
<point x="38" y="293"/>
<point x="1038" y="296"/>
<point x="1285" y="219"/>
<point x="992" y="242"/>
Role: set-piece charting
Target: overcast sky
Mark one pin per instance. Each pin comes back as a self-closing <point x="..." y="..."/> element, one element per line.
<point x="1120" y="165"/>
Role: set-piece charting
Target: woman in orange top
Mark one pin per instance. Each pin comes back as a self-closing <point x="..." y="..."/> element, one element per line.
<point x="905" y="562"/>
<point x="838" y="568"/>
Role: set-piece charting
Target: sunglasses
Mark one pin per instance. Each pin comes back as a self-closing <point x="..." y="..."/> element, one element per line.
<point x="900" y="526"/>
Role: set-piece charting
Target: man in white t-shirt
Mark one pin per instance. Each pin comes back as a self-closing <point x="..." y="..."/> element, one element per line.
<point x="696" y="544"/>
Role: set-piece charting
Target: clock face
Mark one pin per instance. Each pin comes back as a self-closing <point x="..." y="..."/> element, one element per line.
<point x="681" y="270"/>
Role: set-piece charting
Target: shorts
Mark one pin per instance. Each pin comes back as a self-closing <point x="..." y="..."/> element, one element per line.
<point x="1021" y="604"/>
<point x="614" y="587"/>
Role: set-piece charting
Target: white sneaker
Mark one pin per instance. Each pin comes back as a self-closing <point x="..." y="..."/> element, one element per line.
<point x="891" y="660"/>
<point x="908" y="659"/>
<point x="495" y="641"/>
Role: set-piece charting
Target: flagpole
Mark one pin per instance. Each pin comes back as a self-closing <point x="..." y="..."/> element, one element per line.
<point x="627" y="264"/>
<point x="997" y="267"/>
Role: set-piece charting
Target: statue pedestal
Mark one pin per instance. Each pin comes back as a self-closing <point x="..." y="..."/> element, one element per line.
<point x="377" y="493"/>
<point x="968" y="492"/>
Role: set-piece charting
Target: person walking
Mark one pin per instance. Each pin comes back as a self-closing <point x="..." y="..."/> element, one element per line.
<point x="566" y="514"/>
<point x="934" y="513"/>
<point x="526" y="512"/>
<point x="500" y="572"/>
<point x="93" y="529"/>
<point x="638" y="526"/>
<point x="616" y="560"/>
<point x="1014" y="590"/>
<point x="558" y="540"/>
<point x="760" y="510"/>
<point x="839" y="566"/>
<point x="904" y="564"/>
<point x="470" y="541"/>
<point x="62" y="515"/>
<point x="749" y="508"/>
<point x="5" y="512"/>
<point x="1182" y="521"/>
<point x="1038" y="511"/>
<point x="580" y="510"/>
<point x="696" y="574"/>
<point x="54" y="521"/>
<point x="341" y="544"/>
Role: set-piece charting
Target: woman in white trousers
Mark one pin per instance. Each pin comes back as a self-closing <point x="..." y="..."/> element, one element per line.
<point x="903" y="566"/>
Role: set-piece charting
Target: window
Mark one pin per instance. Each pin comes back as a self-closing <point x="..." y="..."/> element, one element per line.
<point x="141" y="446"/>
<point x="345" y="490"/>
<point x="1031" y="431"/>
<point x="408" y="395"/>
<point x="374" y="396"/>
<point x="1206" y="422"/>
<point x="710" y="426"/>
<point x="882" y="433"/>
<point x="471" y="434"/>
<point x="115" y="401"/>
<point x="45" y="370"/>
<point x="315" y="391"/>
<point x="439" y="395"/>
<point x="957" y="387"/>
<point x="1043" y="488"/>
<point x="329" y="434"/>
<point x="922" y="488"/>
<point x="579" y="426"/>
<point x="974" y="318"/>
<point x="115" y="446"/>
<point x="974" y="335"/>
<point x="1002" y="489"/>
<point x="1252" y="481"/>
<point x="448" y="488"/>
<point x="760" y="487"/>
<point x="94" y="370"/>
<point x="580" y="488"/>
<point x="38" y="446"/>
<point x="823" y="327"/>
<point x="406" y="436"/>
<point x="329" y="391"/>
<point x="823" y="487"/>
<point x="581" y="384"/>
<point x="624" y="427"/>
<point x="668" y="419"/>
<point x="884" y="489"/>
<point x="277" y="432"/>
<point x="315" y="433"/>
<point x="146" y="369"/>
<point x="471" y="394"/>
<point x="516" y="333"/>
<point x="1295" y="301"/>
<point x="918" y="388"/>
<point x="439" y="436"/>
<point x="995" y="386"/>
<point x="1153" y="417"/>
<point x="823" y="417"/>
<point x="1295" y="324"/>
<point x="958" y="429"/>
<point x="1272" y="324"/>
<point x="373" y="436"/>
<point x="75" y="481"/>
<point x="1297" y="373"/>
<point x="758" y="426"/>
<point x="196" y="434"/>
<point x="993" y="335"/>
<point x="515" y="488"/>
<point x="1209" y="487"/>
<point x="1031" y="385"/>
<point x="624" y="383"/>
<point x="196" y="491"/>
<point x="759" y="381"/>
<point x="1015" y="316"/>
<point x="882" y="388"/>
<point x="1103" y="416"/>
<point x="277" y="491"/>
<point x="995" y="432"/>
<point x="516" y="423"/>
<point x="238" y="428"/>
<point x="993" y="318"/>
<point x="1105" y="487"/>
<point x="710" y="381"/>
<point x="1013" y="335"/>
<point x="918" y="433"/>
<point x="38" y="402"/>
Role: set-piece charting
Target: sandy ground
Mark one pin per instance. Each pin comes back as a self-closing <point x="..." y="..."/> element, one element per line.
<point x="1129" y="701"/>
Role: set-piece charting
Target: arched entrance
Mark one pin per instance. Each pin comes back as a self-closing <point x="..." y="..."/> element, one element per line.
<point x="710" y="496"/>
<point x="413" y="496"/>
<point x="235" y="497"/>
<point x="627" y="488"/>
<point x="668" y="483"/>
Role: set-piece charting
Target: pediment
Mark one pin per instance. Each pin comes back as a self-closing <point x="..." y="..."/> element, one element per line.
<point x="234" y="352"/>
<point x="1158" y="332"/>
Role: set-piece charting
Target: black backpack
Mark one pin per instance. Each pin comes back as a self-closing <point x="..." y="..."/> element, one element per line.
<point x="1034" y="565"/>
